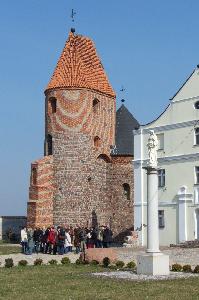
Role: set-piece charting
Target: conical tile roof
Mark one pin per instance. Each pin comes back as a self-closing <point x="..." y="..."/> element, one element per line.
<point x="80" y="67"/>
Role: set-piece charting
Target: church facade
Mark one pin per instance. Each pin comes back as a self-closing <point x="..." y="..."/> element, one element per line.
<point x="86" y="175"/>
<point x="177" y="130"/>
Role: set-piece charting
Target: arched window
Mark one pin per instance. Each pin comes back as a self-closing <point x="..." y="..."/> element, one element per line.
<point x="197" y="136"/>
<point x="95" y="105"/>
<point x="53" y="105"/>
<point x="97" y="141"/>
<point x="34" y="176"/>
<point x="50" y="144"/>
<point x="126" y="190"/>
<point x="196" y="105"/>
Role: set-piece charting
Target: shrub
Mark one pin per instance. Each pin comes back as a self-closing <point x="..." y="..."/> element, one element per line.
<point x="187" y="268"/>
<point x="85" y="262"/>
<point x="9" y="263"/>
<point x="119" y="264"/>
<point x="94" y="262"/>
<point x="79" y="262"/>
<point x="23" y="263"/>
<point x="53" y="262"/>
<point x="131" y="265"/>
<point x="38" y="262"/>
<point x="196" y="270"/>
<point x="106" y="262"/>
<point x="65" y="261"/>
<point x="176" y="268"/>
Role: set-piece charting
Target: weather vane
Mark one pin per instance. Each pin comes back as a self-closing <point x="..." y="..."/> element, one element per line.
<point x="73" y="13"/>
<point x="122" y="90"/>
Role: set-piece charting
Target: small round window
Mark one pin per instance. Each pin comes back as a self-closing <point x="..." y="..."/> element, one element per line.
<point x="196" y="105"/>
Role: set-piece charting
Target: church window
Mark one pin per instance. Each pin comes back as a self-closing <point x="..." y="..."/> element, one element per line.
<point x="160" y="138"/>
<point x="97" y="141"/>
<point x="126" y="190"/>
<point x="161" y="177"/>
<point x="196" y="175"/>
<point x="34" y="176"/>
<point x="53" y="105"/>
<point x="196" y="105"/>
<point x="50" y="144"/>
<point x="161" y="218"/>
<point x="197" y="136"/>
<point x="95" y="105"/>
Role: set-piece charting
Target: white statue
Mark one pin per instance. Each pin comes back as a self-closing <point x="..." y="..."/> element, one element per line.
<point x="152" y="149"/>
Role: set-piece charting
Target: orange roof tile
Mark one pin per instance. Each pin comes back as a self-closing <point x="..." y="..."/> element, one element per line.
<point x="79" y="66"/>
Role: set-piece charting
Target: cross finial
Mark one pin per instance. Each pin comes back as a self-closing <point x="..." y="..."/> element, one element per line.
<point x="122" y="90"/>
<point x="73" y="13"/>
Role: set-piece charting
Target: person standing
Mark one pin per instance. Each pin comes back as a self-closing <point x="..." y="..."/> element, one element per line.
<point x="24" y="240"/>
<point x="68" y="244"/>
<point x="107" y="237"/>
<point x="31" y="244"/>
<point x="60" y="240"/>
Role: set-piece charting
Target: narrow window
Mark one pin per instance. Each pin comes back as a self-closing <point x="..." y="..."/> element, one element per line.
<point x="95" y="105"/>
<point x="97" y="141"/>
<point x="197" y="136"/>
<point x="161" y="178"/>
<point x="53" y="105"/>
<point x="161" y="218"/>
<point x="196" y="175"/>
<point x="34" y="176"/>
<point x="160" y="141"/>
<point x="126" y="190"/>
<point x="50" y="144"/>
<point x="196" y="105"/>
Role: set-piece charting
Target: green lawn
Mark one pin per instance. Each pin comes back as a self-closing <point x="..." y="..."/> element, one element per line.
<point x="7" y="249"/>
<point x="71" y="282"/>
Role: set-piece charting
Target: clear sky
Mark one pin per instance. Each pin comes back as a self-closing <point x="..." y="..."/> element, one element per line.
<point x="149" y="47"/>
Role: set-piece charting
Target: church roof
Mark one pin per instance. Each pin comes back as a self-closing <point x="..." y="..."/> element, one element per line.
<point x="79" y="66"/>
<point x="125" y="124"/>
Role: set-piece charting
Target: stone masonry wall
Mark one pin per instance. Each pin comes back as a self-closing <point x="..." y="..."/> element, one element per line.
<point x="40" y="205"/>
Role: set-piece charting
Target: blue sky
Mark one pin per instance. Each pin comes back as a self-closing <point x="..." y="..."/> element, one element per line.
<point x="149" y="47"/>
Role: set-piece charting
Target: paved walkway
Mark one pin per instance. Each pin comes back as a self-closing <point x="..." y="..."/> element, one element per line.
<point x="177" y="255"/>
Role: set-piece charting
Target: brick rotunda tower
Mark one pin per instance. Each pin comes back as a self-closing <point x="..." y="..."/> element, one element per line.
<point x="79" y="181"/>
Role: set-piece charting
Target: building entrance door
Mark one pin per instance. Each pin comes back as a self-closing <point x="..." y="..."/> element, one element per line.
<point x="197" y="224"/>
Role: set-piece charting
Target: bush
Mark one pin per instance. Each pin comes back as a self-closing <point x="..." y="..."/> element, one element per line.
<point x="65" y="261"/>
<point x="131" y="265"/>
<point x="176" y="268"/>
<point x="85" y="262"/>
<point x="119" y="264"/>
<point x="196" y="270"/>
<point x="94" y="262"/>
<point x="23" y="263"/>
<point x="9" y="263"/>
<point x="79" y="262"/>
<point x="52" y="262"/>
<point x="106" y="262"/>
<point x="187" y="268"/>
<point x="38" y="262"/>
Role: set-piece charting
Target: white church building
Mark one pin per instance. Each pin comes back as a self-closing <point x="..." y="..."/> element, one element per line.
<point x="177" y="129"/>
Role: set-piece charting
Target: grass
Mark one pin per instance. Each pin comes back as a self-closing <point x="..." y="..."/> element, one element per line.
<point x="72" y="282"/>
<point x="7" y="249"/>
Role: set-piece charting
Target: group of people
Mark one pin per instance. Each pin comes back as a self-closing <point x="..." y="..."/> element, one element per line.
<point x="60" y="240"/>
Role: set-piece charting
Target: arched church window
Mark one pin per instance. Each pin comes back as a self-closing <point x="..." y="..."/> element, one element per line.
<point x="97" y="141"/>
<point x="196" y="105"/>
<point x="53" y="105"/>
<point x="50" y="144"/>
<point x="197" y="136"/>
<point x="126" y="190"/>
<point x="34" y="176"/>
<point x="95" y="105"/>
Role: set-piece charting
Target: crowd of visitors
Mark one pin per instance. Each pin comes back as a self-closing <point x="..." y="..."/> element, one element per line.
<point x="62" y="240"/>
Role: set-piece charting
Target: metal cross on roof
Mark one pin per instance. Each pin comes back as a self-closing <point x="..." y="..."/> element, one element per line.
<point x="122" y="90"/>
<point x="73" y="13"/>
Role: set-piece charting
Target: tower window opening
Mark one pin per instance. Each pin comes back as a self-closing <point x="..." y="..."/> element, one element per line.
<point x="34" y="176"/>
<point x="95" y="105"/>
<point x="97" y="141"/>
<point x="50" y="144"/>
<point x="53" y="105"/>
<point x="126" y="190"/>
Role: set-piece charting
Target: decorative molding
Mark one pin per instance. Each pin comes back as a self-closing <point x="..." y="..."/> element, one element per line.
<point x="182" y="157"/>
<point x="165" y="127"/>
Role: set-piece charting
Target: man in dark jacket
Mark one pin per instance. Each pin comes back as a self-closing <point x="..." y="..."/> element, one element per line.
<point x="107" y="237"/>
